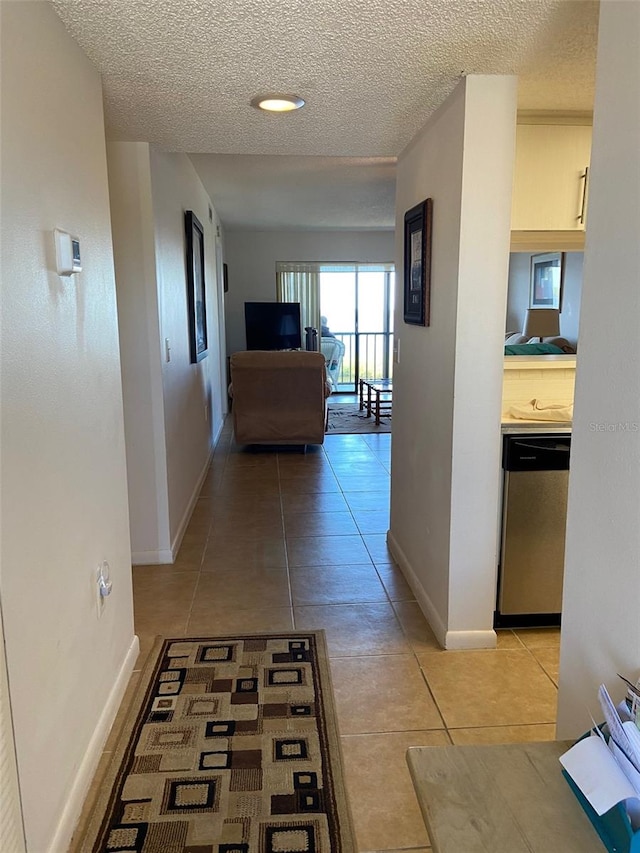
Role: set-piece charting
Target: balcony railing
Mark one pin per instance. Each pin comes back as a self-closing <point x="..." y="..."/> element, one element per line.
<point x="367" y="355"/>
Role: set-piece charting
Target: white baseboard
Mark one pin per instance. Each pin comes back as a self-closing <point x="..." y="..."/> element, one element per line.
<point x="177" y="540"/>
<point x="86" y="770"/>
<point x="167" y="556"/>
<point x="151" y="558"/>
<point x="471" y="639"/>
<point x="447" y="639"/>
<point x="218" y="433"/>
<point x="426" y="605"/>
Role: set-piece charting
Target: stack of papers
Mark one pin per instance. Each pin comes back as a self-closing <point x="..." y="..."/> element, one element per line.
<point x="607" y="771"/>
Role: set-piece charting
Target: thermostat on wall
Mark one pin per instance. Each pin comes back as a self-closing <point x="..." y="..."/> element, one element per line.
<point x="67" y="253"/>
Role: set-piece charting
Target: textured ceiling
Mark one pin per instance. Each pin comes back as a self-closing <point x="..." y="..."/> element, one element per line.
<point x="181" y="74"/>
<point x="286" y="192"/>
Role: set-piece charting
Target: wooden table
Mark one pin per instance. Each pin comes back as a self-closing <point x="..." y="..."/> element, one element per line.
<point x="379" y="396"/>
<point x="509" y="798"/>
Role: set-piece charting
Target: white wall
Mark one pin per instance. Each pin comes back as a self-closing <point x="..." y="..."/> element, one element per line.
<point x="447" y="386"/>
<point x="421" y="468"/>
<point x="64" y="490"/>
<point x="600" y="625"/>
<point x="140" y="348"/>
<point x="518" y="290"/>
<point x="518" y="294"/>
<point x="173" y="409"/>
<point x="252" y="257"/>
<point x="11" y="824"/>
<point x="193" y="393"/>
<point x="571" y="296"/>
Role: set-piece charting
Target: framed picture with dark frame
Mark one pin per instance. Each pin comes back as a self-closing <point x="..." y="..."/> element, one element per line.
<point x="418" y="223"/>
<point x="196" y="293"/>
<point x="546" y="281"/>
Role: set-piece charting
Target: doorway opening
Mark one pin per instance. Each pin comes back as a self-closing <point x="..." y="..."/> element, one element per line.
<point x="356" y="302"/>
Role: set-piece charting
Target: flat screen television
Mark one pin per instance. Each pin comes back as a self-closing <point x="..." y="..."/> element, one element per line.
<point x="272" y="325"/>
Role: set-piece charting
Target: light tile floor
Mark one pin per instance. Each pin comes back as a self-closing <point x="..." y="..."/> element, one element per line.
<point x="282" y="541"/>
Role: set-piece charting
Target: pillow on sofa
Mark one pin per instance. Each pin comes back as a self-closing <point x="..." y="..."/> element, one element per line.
<point x="515" y="338"/>
<point x="563" y="343"/>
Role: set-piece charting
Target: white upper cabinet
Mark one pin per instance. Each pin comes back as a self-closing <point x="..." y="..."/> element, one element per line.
<point x="551" y="177"/>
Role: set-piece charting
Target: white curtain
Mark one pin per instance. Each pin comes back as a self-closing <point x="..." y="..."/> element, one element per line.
<point x="300" y="283"/>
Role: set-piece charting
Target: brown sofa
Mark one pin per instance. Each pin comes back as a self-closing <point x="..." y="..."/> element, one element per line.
<point x="279" y="397"/>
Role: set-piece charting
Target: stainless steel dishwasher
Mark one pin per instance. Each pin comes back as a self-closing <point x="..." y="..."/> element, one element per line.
<point x="534" y="515"/>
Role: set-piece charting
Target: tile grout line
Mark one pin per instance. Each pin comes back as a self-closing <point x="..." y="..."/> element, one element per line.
<point x="284" y="543"/>
<point x="412" y="652"/>
<point x="204" y="550"/>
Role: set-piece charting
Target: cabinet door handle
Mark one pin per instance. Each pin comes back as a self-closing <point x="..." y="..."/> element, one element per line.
<point x="585" y="178"/>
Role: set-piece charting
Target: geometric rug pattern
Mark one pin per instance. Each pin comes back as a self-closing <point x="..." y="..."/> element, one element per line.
<point x="231" y="746"/>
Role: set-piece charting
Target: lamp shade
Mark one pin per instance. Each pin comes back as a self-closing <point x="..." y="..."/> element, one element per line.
<point x="542" y="323"/>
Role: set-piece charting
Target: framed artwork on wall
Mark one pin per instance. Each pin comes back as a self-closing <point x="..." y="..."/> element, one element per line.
<point x="196" y="293"/>
<point x="418" y="224"/>
<point x="547" y="278"/>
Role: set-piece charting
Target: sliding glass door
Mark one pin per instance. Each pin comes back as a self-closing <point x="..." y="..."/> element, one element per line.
<point x="357" y="302"/>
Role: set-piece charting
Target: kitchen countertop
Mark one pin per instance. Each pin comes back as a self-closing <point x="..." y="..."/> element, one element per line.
<point x="517" y="425"/>
<point x="507" y="798"/>
<point x="539" y="362"/>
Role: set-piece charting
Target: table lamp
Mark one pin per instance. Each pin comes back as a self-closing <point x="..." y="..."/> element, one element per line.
<point x="541" y="323"/>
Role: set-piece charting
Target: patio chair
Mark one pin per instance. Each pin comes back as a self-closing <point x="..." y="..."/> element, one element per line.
<point x="333" y="351"/>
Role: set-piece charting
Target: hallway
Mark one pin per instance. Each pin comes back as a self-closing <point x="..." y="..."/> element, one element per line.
<point x="284" y="540"/>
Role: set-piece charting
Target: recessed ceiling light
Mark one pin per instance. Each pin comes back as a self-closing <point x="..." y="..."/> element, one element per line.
<point x="277" y="103"/>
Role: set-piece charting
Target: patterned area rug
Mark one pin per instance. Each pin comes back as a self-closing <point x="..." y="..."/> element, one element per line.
<point x="231" y="746"/>
<point x="347" y="418"/>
